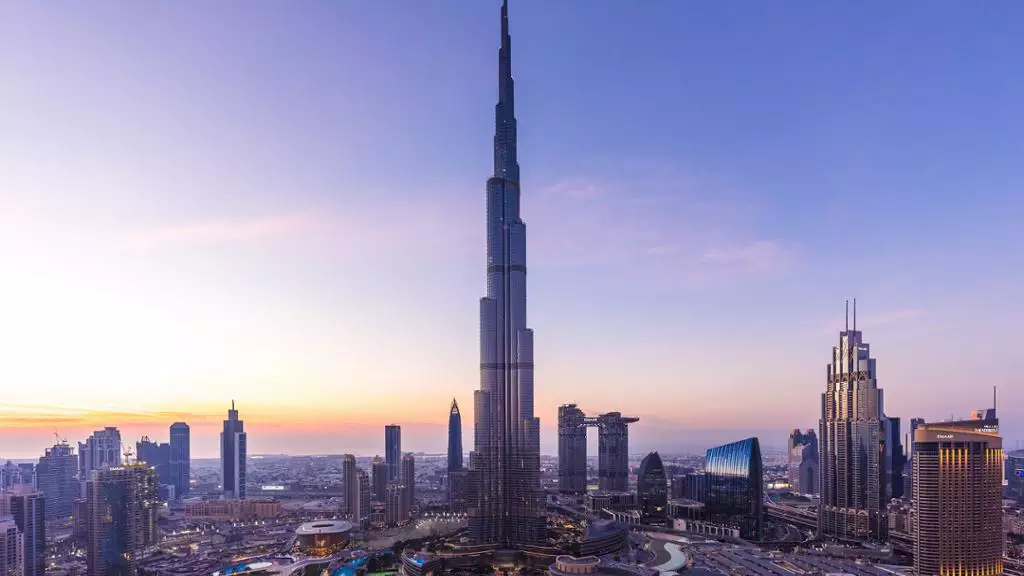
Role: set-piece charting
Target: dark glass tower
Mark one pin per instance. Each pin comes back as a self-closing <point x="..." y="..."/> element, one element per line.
<point x="156" y="455"/>
<point x="572" y="449"/>
<point x="652" y="488"/>
<point x="613" y="451"/>
<point x="508" y="506"/>
<point x="393" y="450"/>
<point x="454" y="438"/>
<point x="232" y="456"/>
<point x="28" y="510"/>
<point x="181" y="459"/>
<point x="123" y="508"/>
<point x="852" y="461"/>
<point x="735" y="486"/>
<point x="55" y="477"/>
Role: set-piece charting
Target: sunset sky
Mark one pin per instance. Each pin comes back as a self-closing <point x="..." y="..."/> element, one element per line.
<point x="282" y="204"/>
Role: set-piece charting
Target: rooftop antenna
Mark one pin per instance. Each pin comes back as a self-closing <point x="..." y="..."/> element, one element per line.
<point x="993" y="400"/>
<point x="847" y="315"/>
<point x="854" y="314"/>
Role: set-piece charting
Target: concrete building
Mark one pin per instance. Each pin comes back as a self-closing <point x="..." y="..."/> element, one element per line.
<point x="408" y="479"/>
<point x="157" y="455"/>
<point x="612" y="449"/>
<point x="100" y="451"/>
<point x="393" y="450"/>
<point x="380" y="475"/>
<point x="365" y="506"/>
<point x="233" y="456"/>
<point x="181" y="459"/>
<point x="803" y="462"/>
<point x="509" y="503"/>
<point x="56" y="478"/>
<point x="852" y="446"/>
<point x="232" y="510"/>
<point x="958" y="500"/>
<point x="123" y="508"/>
<point x="11" y="549"/>
<point x="350" y="487"/>
<point x="396" y="503"/>
<point x="28" y="509"/>
<point x="572" y="450"/>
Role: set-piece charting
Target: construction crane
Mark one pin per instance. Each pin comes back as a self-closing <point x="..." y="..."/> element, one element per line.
<point x="128" y="453"/>
<point x="60" y="439"/>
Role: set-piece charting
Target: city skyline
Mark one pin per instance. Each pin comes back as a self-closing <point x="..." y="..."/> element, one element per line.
<point x="187" y="252"/>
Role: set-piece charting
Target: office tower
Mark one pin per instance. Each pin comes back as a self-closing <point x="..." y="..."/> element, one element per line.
<point x="122" y="507"/>
<point x="958" y="500"/>
<point x="380" y="475"/>
<point x="181" y="458"/>
<point x="396" y="503"/>
<point x="613" y="451"/>
<point x="458" y="490"/>
<point x="572" y="450"/>
<point x="735" y="489"/>
<point x="363" y="512"/>
<point x="156" y="455"/>
<point x="56" y="479"/>
<point x="894" y="457"/>
<point x="454" y="438"/>
<point x="100" y="451"/>
<point x="350" y="482"/>
<point x="393" y="450"/>
<point x="28" y="509"/>
<point x="408" y="480"/>
<point x="232" y="456"/>
<point x="509" y="510"/>
<point x="11" y="548"/>
<point x="692" y="486"/>
<point x="852" y="468"/>
<point x="652" y="488"/>
<point x="803" y="462"/>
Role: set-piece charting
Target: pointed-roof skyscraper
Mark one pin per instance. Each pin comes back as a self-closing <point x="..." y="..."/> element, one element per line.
<point x="454" y="438"/>
<point x="508" y="500"/>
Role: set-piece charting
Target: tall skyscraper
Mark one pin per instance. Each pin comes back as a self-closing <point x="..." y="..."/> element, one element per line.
<point x="396" y="503"/>
<point x="735" y="486"/>
<point x="509" y="507"/>
<point x="454" y="438"/>
<point x="100" y="451"/>
<point x="181" y="458"/>
<point x="11" y="549"/>
<point x="613" y="451"/>
<point x="652" y="488"/>
<point x="122" y="507"/>
<point x="958" y="500"/>
<point x="803" y="462"/>
<point x="852" y="447"/>
<point x="380" y="475"/>
<point x="157" y="455"/>
<point x="56" y="479"/>
<point x="894" y="457"/>
<point x="365" y="508"/>
<point x="28" y="509"/>
<point x="393" y="450"/>
<point x="232" y="456"/>
<point x="350" y="481"/>
<point x="572" y="450"/>
<point x="409" y="480"/>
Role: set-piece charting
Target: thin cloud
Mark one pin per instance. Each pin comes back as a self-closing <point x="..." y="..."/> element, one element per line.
<point x="758" y="256"/>
<point x="218" y="232"/>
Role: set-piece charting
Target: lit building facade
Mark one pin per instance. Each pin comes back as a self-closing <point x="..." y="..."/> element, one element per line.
<point x="233" y="453"/>
<point x="122" y="508"/>
<point x="736" y="487"/>
<point x="652" y="489"/>
<point x="853" y="482"/>
<point x="508" y="509"/>
<point x="232" y="510"/>
<point x="181" y="458"/>
<point x="365" y="507"/>
<point x="56" y="478"/>
<point x="958" y="500"/>
<point x="393" y="450"/>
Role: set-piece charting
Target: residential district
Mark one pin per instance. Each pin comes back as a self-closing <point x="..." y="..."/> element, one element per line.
<point x="855" y="496"/>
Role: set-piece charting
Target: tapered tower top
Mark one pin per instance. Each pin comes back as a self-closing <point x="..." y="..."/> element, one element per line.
<point x="455" y="408"/>
<point x="506" y="166"/>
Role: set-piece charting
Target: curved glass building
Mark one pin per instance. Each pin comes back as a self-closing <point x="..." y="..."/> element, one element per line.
<point x="652" y="488"/>
<point x="735" y="487"/>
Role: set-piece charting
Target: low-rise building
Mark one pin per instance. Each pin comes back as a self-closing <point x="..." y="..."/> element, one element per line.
<point x="232" y="510"/>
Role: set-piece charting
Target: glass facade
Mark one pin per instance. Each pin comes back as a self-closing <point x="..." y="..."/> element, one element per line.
<point x="735" y="486"/>
<point x="652" y="488"/>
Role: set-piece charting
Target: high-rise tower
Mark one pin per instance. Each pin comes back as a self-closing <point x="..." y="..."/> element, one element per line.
<point x="181" y="459"/>
<point x="454" y="438"/>
<point x="393" y="450"/>
<point x="851" y="464"/>
<point x="506" y="463"/>
<point x="232" y="456"/>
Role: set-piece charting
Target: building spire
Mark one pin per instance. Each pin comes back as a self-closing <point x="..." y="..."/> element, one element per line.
<point x="506" y="165"/>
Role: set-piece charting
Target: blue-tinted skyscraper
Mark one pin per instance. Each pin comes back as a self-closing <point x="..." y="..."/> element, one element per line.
<point x="232" y="456"/>
<point x="506" y="462"/>
<point x="393" y="450"/>
<point x="181" y="458"/>
<point x="454" y="438"/>
<point x="736" y="487"/>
